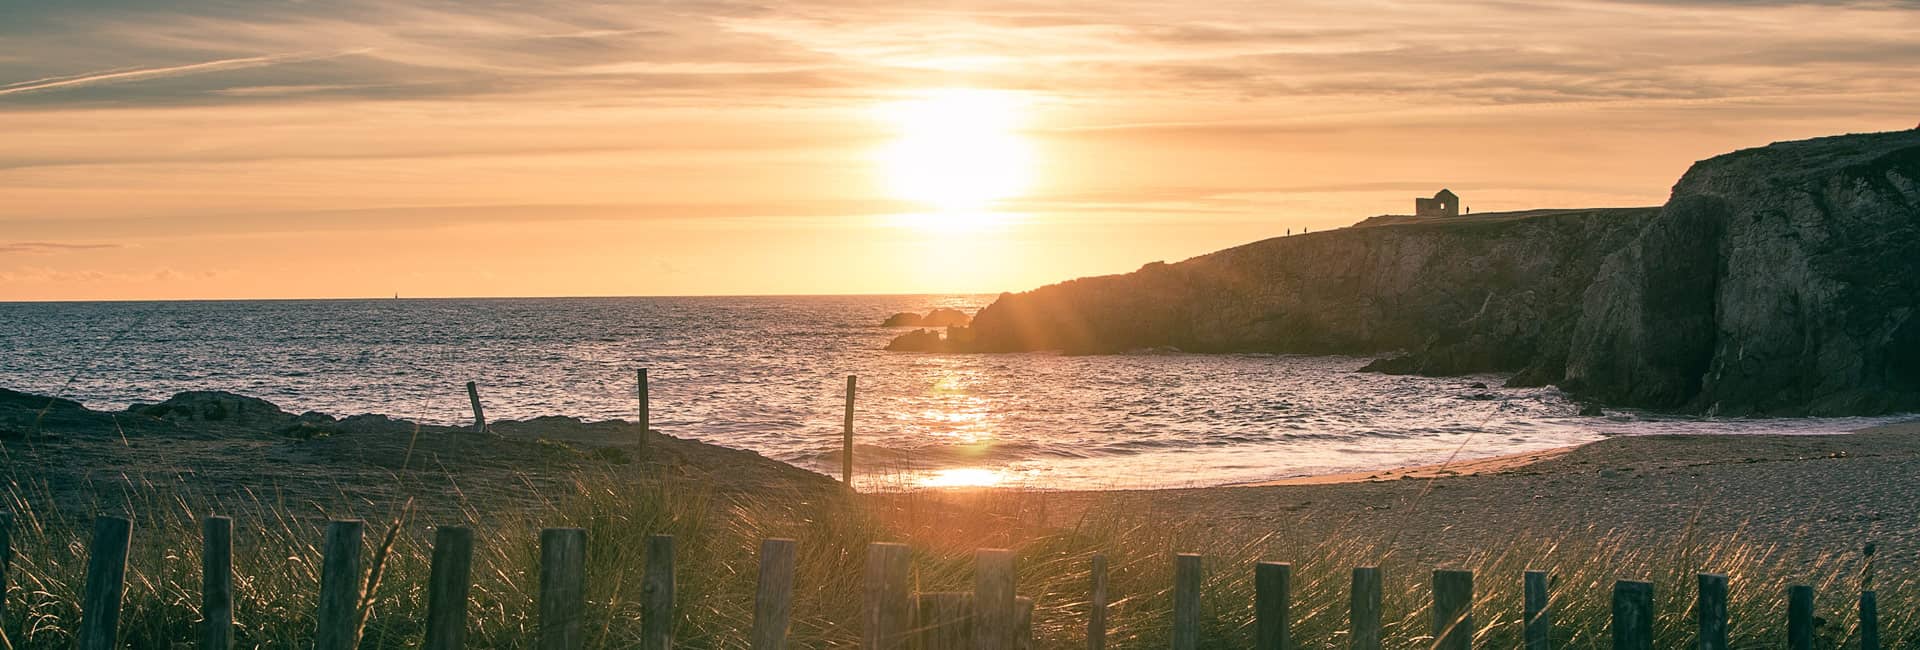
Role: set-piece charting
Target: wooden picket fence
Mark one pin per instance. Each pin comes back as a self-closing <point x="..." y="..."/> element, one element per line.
<point x="992" y="617"/>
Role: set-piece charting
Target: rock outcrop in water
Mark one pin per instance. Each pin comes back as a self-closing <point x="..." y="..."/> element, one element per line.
<point x="1778" y="280"/>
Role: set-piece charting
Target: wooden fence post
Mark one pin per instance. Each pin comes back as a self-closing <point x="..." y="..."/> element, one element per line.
<point x="1632" y="615"/>
<point x="656" y="593"/>
<point x="337" y="623"/>
<point x="216" y="584"/>
<point x="448" y="582"/>
<point x="646" y="413"/>
<point x="6" y="563"/>
<point x="846" y="435"/>
<point x="479" y="415"/>
<point x="773" y="604"/>
<point x="887" y="610"/>
<point x="1023" y="623"/>
<point x="1452" y="610"/>
<point x="1364" y="608"/>
<point x="563" y="589"/>
<point x="106" y="582"/>
<point x="1711" y="610"/>
<point x="1097" y="616"/>
<point x="943" y="621"/>
<point x="1869" y="621"/>
<point x="1800" y="617"/>
<point x="1538" y="624"/>
<point x="1186" y="601"/>
<point x="993" y="599"/>
<point x="1272" y="587"/>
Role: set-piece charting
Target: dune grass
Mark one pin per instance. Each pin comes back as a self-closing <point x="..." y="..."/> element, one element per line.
<point x="717" y="539"/>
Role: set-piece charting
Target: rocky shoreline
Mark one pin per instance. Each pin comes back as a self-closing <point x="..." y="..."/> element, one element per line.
<point x="1782" y="280"/>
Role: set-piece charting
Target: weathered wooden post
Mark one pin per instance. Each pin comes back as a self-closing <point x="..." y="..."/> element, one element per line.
<point x="993" y="599"/>
<point x="1869" y="621"/>
<point x="646" y="414"/>
<point x="1272" y="593"/>
<point x="6" y="563"/>
<point x="656" y="593"/>
<point x="1869" y="605"/>
<point x="1800" y="617"/>
<point x="337" y="622"/>
<point x="106" y="582"/>
<point x="1632" y="615"/>
<point x="1097" y="617"/>
<point x="1452" y="610"/>
<point x="1023" y="623"/>
<point x="216" y="584"/>
<point x="943" y="621"/>
<point x="887" y="609"/>
<point x="1186" y="601"/>
<point x="1363" y="608"/>
<point x="479" y="415"/>
<point x="1537" y="627"/>
<point x="773" y="604"/>
<point x="846" y="435"/>
<point x="448" y="582"/>
<point x="1711" y="610"/>
<point x="563" y="589"/>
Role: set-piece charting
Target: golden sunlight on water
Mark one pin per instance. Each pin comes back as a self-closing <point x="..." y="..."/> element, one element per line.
<point x="956" y="151"/>
<point x="963" y="477"/>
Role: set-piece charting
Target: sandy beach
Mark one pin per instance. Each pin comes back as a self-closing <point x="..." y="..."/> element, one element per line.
<point x="1825" y="494"/>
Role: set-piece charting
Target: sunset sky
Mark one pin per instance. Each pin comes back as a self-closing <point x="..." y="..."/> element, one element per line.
<point x="258" y="149"/>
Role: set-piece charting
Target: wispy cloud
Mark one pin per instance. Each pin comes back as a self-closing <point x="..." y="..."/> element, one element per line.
<point x="49" y="247"/>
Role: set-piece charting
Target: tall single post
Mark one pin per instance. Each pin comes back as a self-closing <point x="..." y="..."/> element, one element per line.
<point x="1711" y="610"/>
<point x="1364" y="608"/>
<point x="1632" y="615"/>
<point x="656" y="594"/>
<point x="1869" y="621"/>
<point x="646" y="414"/>
<point x="1186" y="601"/>
<point x="1538" y="625"/>
<point x="1272" y="587"/>
<point x="846" y="434"/>
<point x="448" y="583"/>
<point x="216" y="584"/>
<point x="993" y="599"/>
<point x="887" y="610"/>
<point x="1097" y="617"/>
<point x="1869" y="604"/>
<point x="563" y="589"/>
<point x="943" y="621"/>
<point x="6" y="563"/>
<point x="773" y="604"/>
<point x="1800" y="617"/>
<point x="479" y="415"/>
<point x="106" y="582"/>
<point x="1023" y="623"/>
<point x="337" y="623"/>
<point x="1452" y="610"/>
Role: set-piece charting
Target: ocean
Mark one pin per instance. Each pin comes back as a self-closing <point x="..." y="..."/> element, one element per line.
<point x="769" y="374"/>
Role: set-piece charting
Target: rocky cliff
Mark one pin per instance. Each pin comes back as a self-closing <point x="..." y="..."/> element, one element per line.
<point x="1491" y="292"/>
<point x="1778" y="280"/>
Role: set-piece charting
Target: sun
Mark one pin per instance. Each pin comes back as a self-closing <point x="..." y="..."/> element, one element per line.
<point x="956" y="151"/>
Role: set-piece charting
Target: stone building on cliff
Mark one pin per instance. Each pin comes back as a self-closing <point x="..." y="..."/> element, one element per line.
<point x="1443" y="204"/>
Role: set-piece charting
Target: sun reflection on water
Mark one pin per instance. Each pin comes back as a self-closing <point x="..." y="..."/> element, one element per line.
<point x="963" y="477"/>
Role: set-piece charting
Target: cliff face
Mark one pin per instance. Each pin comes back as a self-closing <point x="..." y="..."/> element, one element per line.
<point x="1490" y="292"/>
<point x="1778" y="280"/>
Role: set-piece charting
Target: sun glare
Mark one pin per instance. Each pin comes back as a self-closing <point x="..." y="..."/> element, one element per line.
<point x="963" y="477"/>
<point x="956" y="151"/>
